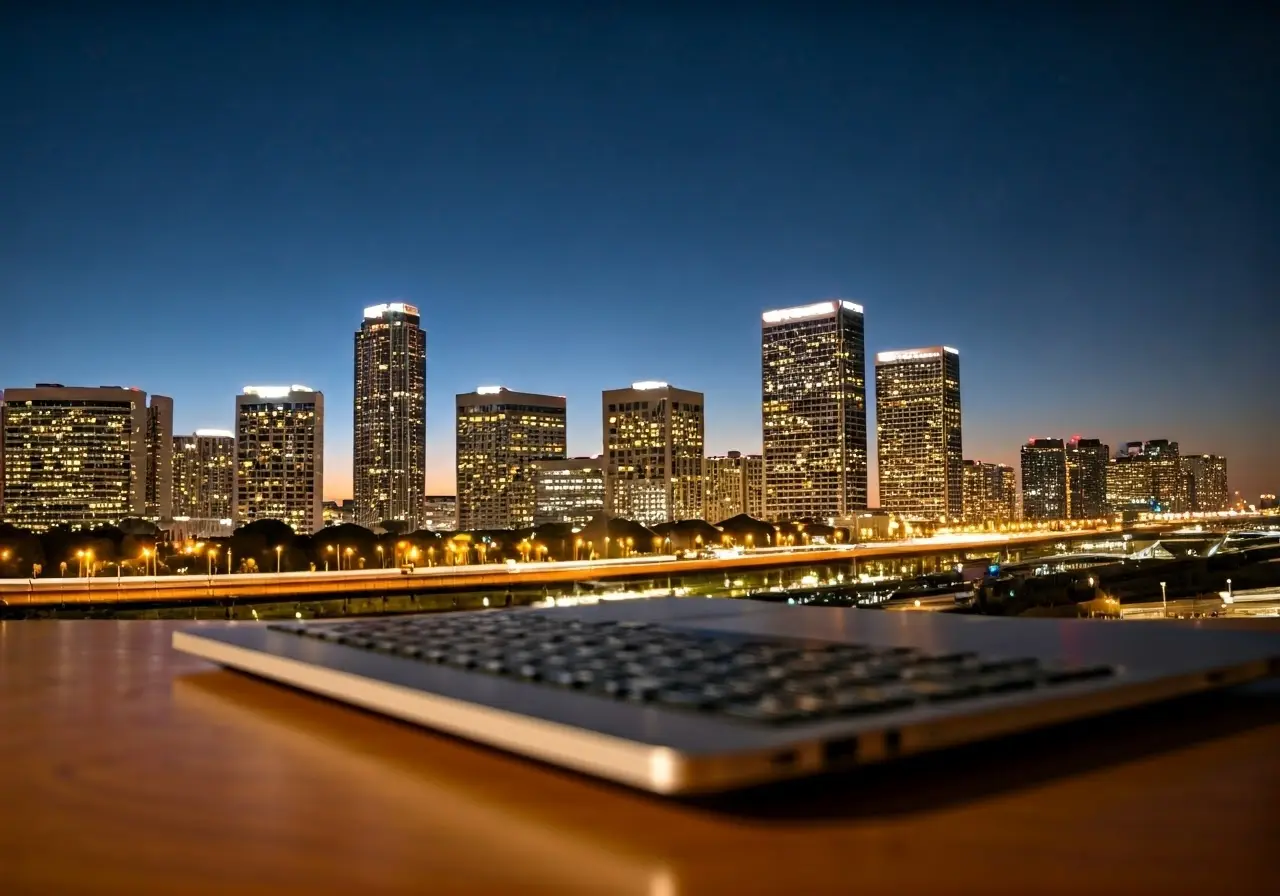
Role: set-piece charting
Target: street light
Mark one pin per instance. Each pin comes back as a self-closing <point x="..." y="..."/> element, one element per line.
<point x="213" y="552"/>
<point x="1164" y="599"/>
<point x="1231" y="598"/>
<point x="382" y="558"/>
<point x="146" y="561"/>
<point x="279" y="548"/>
<point x="348" y="552"/>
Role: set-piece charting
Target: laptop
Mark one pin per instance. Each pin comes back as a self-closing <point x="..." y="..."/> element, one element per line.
<point x="698" y="695"/>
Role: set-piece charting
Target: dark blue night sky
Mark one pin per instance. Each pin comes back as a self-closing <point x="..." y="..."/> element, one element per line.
<point x="1084" y="198"/>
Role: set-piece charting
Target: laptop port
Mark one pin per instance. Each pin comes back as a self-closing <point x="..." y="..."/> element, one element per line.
<point x="841" y="751"/>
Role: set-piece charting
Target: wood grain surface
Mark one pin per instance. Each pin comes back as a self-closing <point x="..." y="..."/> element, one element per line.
<point x="128" y="768"/>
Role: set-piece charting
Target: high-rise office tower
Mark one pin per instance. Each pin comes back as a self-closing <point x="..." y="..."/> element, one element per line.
<point x="279" y="463"/>
<point x="734" y="484"/>
<point x="814" y="408"/>
<point x="1205" y="476"/>
<point x="204" y="474"/>
<point x="1087" y="478"/>
<point x="74" y="455"/>
<point x="1044" y="480"/>
<point x="1169" y="493"/>
<point x="390" y="425"/>
<point x="918" y="439"/>
<point x="990" y="493"/>
<point x="159" y="437"/>
<point x="1128" y="483"/>
<point x="186" y="477"/>
<point x="654" y="437"/>
<point x="500" y="433"/>
<point x="569" y="490"/>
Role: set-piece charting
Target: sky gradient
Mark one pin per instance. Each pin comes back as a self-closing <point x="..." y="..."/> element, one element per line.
<point x="1084" y="200"/>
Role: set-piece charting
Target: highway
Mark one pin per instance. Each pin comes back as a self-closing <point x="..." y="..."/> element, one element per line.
<point x="498" y="576"/>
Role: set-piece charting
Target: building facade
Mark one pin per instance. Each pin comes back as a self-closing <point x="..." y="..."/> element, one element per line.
<point x="654" y="437"/>
<point x="158" y="498"/>
<point x="814" y="411"/>
<point x="1147" y="477"/>
<point x="1206" y="486"/>
<point x="1087" y="461"/>
<point x="734" y="484"/>
<point x="440" y="513"/>
<point x="570" y="490"/>
<point x="204" y="467"/>
<point x="279" y="460"/>
<point x="1169" y="488"/>
<point x="918" y="433"/>
<point x="74" y="455"/>
<point x="990" y="493"/>
<point x="389" y="435"/>
<point x="499" y="435"/>
<point x="1044" y="480"/>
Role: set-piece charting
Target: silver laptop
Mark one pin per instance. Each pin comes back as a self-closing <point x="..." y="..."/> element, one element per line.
<point x="688" y="695"/>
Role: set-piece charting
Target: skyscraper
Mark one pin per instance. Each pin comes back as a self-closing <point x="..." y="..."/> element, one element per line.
<point x="159" y="437"/>
<point x="1087" y="478"/>
<point x="390" y="426"/>
<point x="734" y="485"/>
<point x="918" y="433"/>
<point x="1128" y="483"/>
<point x="279" y="472"/>
<point x="74" y="455"/>
<point x="814" y="408"/>
<point x="653" y="448"/>
<point x="204" y="474"/>
<point x="990" y="493"/>
<point x="1169" y="492"/>
<point x="1044" y="480"/>
<point x="500" y="433"/>
<point x="1206" y="482"/>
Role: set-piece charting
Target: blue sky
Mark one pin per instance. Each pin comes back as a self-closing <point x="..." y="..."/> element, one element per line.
<point x="577" y="198"/>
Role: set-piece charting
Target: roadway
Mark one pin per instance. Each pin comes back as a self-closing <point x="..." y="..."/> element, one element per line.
<point x="497" y="576"/>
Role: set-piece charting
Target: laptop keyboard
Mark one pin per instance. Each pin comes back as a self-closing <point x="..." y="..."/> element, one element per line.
<point x="754" y="679"/>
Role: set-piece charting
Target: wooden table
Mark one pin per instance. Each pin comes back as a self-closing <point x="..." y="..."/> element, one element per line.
<point x="128" y="768"/>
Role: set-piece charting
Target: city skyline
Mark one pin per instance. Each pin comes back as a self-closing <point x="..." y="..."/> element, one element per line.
<point x="602" y="210"/>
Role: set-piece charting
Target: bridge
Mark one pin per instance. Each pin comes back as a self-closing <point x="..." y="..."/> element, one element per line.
<point x="496" y="576"/>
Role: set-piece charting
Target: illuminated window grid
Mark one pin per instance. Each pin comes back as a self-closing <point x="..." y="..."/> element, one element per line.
<point x="918" y="433"/>
<point x="279" y="445"/>
<point x="73" y="456"/>
<point x="499" y="436"/>
<point x="814" y="412"/>
<point x="653" y="449"/>
<point x="389" y="426"/>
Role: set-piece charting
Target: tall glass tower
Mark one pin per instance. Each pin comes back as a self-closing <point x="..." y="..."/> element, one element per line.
<point x="814" y="408"/>
<point x="918" y="433"/>
<point x="390" y="427"/>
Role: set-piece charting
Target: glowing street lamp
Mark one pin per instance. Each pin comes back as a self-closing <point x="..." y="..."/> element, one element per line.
<point x="279" y="548"/>
<point x="146" y="561"/>
<point x="382" y="558"/>
<point x="213" y="552"/>
<point x="348" y="552"/>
